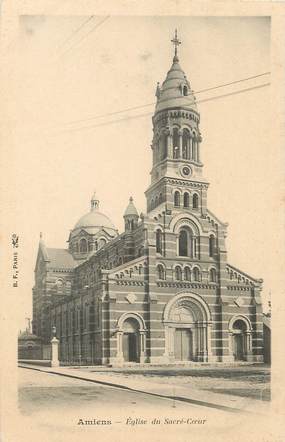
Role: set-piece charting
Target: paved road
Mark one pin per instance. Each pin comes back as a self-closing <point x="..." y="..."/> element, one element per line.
<point x="39" y="391"/>
<point x="50" y="402"/>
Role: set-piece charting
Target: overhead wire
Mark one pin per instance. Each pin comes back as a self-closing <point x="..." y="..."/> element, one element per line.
<point x="131" y="117"/>
<point x="77" y="30"/>
<point x="86" y="35"/>
<point x="153" y="103"/>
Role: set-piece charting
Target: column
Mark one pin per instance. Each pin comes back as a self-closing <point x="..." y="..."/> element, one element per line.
<point x="230" y="344"/>
<point x="169" y="144"/>
<point x="199" y="342"/>
<point x="204" y="332"/>
<point x="142" y="346"/>
<point x="120" y="356"/>
<point x="209" y="341"/>
<point x="166" y="341"/>
<point x="248" y="346"/>
<point x="194" y="148"/>
<point x="180" y="144"/>
<point x="54" y="352"/>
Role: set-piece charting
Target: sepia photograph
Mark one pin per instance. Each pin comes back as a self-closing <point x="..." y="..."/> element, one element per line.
<point x="142" y="253"/>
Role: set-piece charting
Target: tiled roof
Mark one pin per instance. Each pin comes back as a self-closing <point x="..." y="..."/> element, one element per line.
<point x="60" y="258"/>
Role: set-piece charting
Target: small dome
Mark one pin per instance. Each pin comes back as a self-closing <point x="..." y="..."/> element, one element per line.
<point x="175" y="90"/>
<point x="94" y="219"/>
<point x="131" y="209"/>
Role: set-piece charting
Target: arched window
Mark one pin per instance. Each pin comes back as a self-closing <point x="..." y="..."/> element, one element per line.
<point x="194" y="147"/>
<point x="213" y="275"/>
<point x="160" y="271"/>
<point x="186" y="200"/>
<point x="186" y="144"/>
<point x="183" y="243"/>
<point x="187" y="274"/>
<point x="160" y="198"/>
<point x="156" y="201"/>
<point x="102" y="242"/>
<point x="83" y="246"/>
<point x="212" y="241"/>
<point x="185" y="90"/>
<point x="159" y="241"/>
<point x="59" y="286"/>
<point x="177" y="199"/>
<point x="175" y="143"/>
<point x="188" y="244"/>
<point x="178" y="273"/>
<point x="196" y="274"/>
<point x="195" y="202"/>
<point x="163" y="146"/>
<point x="152" y="205"/>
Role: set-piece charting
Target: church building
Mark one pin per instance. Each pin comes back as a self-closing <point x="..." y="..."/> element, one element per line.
<point x="162" y="291"/>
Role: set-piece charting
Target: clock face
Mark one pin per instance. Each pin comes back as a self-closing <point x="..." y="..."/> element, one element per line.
<point x="186" y="171"/>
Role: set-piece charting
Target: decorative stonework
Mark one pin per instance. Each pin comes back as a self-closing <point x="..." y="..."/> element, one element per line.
<point x="185" y="285"/>
<point x="240" y="301"/>
<point x="131" y="298"/>
<point x="123" y="282"/>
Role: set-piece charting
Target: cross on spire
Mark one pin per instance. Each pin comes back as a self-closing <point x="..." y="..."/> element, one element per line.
<point x="176" y="43"/>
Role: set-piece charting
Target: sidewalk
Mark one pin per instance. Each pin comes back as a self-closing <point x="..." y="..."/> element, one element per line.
<point x="201" y="398"/>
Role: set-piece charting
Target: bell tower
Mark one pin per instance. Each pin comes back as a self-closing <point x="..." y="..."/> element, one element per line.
<point x="176" y="165"/>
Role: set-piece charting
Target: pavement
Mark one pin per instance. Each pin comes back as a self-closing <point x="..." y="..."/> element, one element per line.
<point x="148" y="385"/>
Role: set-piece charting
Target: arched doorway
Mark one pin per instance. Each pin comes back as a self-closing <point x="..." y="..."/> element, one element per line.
<point x="131" y="350"/>
<point x="239" y="329"/>
<point x="187" y="321"/>
<point x="131" y="338"/>
<point x="240" y="336"/>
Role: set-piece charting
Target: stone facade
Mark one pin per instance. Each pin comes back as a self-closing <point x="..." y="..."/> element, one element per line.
<point x="162" y="291"/>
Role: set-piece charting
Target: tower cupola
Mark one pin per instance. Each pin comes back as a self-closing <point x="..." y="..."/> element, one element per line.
<point x="131" y="216"/>
<point x="176" y="140"/>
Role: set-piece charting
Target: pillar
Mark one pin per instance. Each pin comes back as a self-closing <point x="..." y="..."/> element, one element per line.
<point x="120" y="356"/>
<point x="209" y="342"/>
<point x="54" y="352"/>
<point x="180" y="144"/>
<point x="142" y="346"/>
<point x="169" y="144"/>
<point x="230" y="344"/>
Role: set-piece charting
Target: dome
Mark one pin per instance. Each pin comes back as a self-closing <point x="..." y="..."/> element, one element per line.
<point x="94" y="220"/>
<point x="175" y="90"/>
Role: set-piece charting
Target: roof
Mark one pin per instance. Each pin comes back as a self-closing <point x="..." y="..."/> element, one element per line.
<point x="27" y="336"/>
<point x="266" y="321"/>
<point x="170" y="95"/>
<point x="131" y="209"/>
<point x="60" y="258"/>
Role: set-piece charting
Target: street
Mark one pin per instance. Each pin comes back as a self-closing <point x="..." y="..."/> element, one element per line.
<point x="56" y="402"/>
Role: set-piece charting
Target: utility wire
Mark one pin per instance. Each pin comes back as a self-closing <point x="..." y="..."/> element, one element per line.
<point x="153" y="103"/>
<point x="86" y="35"/>
<point x="132" y="117"/>
<point x="232" y="82"/>
<point x="77" y="30"/>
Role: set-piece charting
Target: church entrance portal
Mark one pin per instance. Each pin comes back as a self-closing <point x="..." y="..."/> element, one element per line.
<point x="238" y="347"/>
<point x="187" y="322"/>
<point x="131" y="349"/>
<point x="239" y="340"/>
<point x="183" y="344"/>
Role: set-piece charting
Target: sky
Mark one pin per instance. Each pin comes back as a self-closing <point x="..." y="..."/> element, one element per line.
<point x="72" y="71"/>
